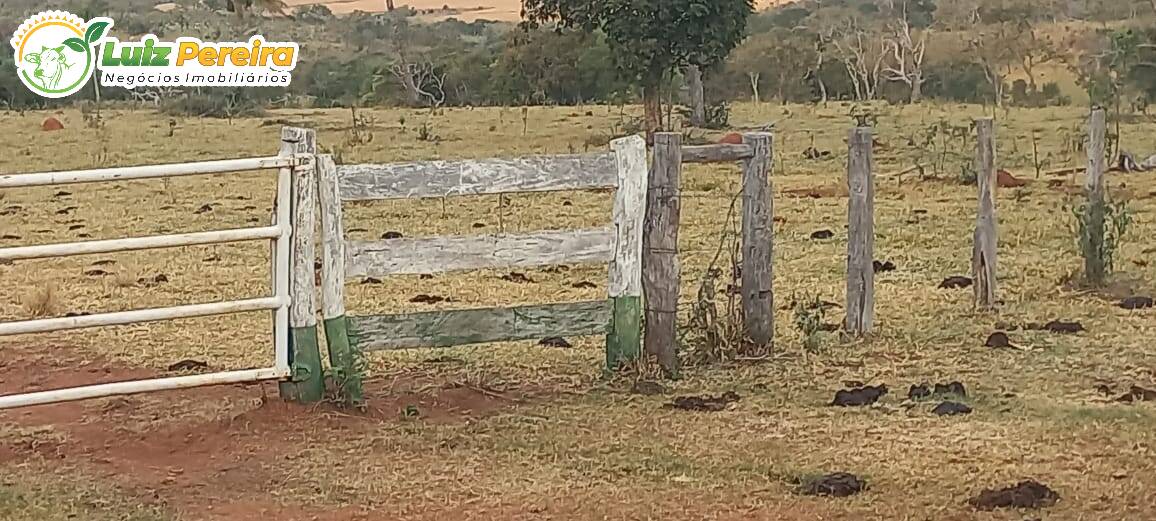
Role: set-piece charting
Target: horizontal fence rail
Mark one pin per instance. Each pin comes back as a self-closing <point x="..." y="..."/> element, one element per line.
<point x="433" y="179"/>
<point x="148" y="171"/>
<point x="441" y="254"/>
<point x="140" y="386"/>
<point x="139" y="243"/>
<point x="476" y="326"/>
<point x="716" y="153"/>
<point x="121" y="318"/>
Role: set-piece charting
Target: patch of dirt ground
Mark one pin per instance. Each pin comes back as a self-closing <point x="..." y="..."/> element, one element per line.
<point x="211" y="453"/>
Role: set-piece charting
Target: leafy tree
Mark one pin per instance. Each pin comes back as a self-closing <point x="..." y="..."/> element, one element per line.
<point x="651" y="39"/>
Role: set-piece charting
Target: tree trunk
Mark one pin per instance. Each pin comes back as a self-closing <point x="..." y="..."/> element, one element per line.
<point x="697" y="101"/>
<point x="652" y="105"/>
<point x="754" y="76"/>
<point x="917" y="87"/>
<point x="997" y="84"/>
<point x="389" y="5"/>
<point x="410" y="86"/>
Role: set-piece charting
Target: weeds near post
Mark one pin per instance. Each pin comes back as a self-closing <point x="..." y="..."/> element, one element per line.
<point x="809" y="322"/>
<point x="1110" y="223"/>
<point x="347" y="377"/>
<point x="721" y="337"/>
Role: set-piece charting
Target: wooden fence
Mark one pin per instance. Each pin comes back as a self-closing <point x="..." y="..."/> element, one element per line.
<point x="618" y="317"/>
<point x="661" y="270"/>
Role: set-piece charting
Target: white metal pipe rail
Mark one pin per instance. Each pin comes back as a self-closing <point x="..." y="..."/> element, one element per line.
<point x="139" y="386"/>
<point x="139" y="243"/>
<point x="120" y="318"/>
<point x="279" y="233"/>
<point x="148" y="171"/>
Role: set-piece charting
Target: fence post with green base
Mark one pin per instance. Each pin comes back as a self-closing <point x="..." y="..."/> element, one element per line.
<point x="306" y="383"/>
<point x="344" y="358"/>
<point x="624" y="339"/>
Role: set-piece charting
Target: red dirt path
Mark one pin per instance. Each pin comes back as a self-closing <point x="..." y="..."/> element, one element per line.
<point x="209" y="453"/>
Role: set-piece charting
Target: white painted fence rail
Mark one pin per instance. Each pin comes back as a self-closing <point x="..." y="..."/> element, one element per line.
<point x="139" y="386"/>
<point x="147" y="172"/>
<point x="139" y="243"/>
<point x="120" y="318"/>
<point x="280" y="232"/>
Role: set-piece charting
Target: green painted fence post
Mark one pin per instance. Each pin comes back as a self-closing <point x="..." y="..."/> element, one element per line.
<point x="346" y="361"/>
<point x="624" y="338"/>
<point x="306" y="383"/>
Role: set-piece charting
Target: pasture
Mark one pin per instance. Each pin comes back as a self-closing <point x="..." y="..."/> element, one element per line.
<point x="524" y="431"/>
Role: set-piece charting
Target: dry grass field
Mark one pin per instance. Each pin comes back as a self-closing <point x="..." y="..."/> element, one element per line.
<point x="528" y="432"/>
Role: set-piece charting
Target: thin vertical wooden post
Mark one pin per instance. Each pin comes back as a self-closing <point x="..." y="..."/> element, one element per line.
<point x="757" y="237"/>
<point x="307" y="382"/>
<point x="1093" y="242"/>
<point x="624" y="339"/>
<point x="861" y="234"/>
<point x="660" y="268"/>
<point x="342" y="357"/>
<point x="983" y="256"/>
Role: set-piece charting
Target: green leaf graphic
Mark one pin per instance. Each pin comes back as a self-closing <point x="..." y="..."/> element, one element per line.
<point x="95" y="31"/>
<point x="76" y="44"/>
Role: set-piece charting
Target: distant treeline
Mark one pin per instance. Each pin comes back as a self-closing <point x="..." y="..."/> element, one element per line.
<point x="803" y="52"/>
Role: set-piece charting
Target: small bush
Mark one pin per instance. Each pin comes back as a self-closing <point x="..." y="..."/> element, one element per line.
<point x="1099" y="232"/>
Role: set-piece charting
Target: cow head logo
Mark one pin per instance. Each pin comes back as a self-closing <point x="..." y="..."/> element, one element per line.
<point x="56" y="52"/>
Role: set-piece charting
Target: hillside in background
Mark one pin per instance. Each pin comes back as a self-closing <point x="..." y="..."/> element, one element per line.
<point x="465" y="10"/>
<point x="444" y="52"/>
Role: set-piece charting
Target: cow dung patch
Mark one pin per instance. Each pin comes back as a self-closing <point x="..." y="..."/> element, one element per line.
<point x="188" y="365"/>
<point x="1025" y="494"/>
<point x="949" y="408"/>
<point x="429" y="299"/>
<point x="997" y="340"/>
<point x="517" y="278"/>
<point x="950" y="388"/>
<point x="1059" y="326"/>
<point x="838" y="484"/>
<point x="955" y="282"/>
<point x="555" y="341"/>
<point x="918" y="392"/>
<point x="1138" y="394"/>
<point x="1136" y="303"/>
<point x="883" y="267"/>
<point x="859" y="396"/>
<point x="705" y="403"/>
<point x="822" y="234"/>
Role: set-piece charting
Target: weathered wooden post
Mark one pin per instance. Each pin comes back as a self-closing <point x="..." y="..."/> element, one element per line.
<point x="983" y="256"/>
<point x="757" y="238"/>
<point x="660" y="269"/>
<point x="861" y="234"/>
<point x="1093" y="242"/>
<point x="624" y="341"/>
<point x="307" y="381"/>
<point x="342" y="358"/>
